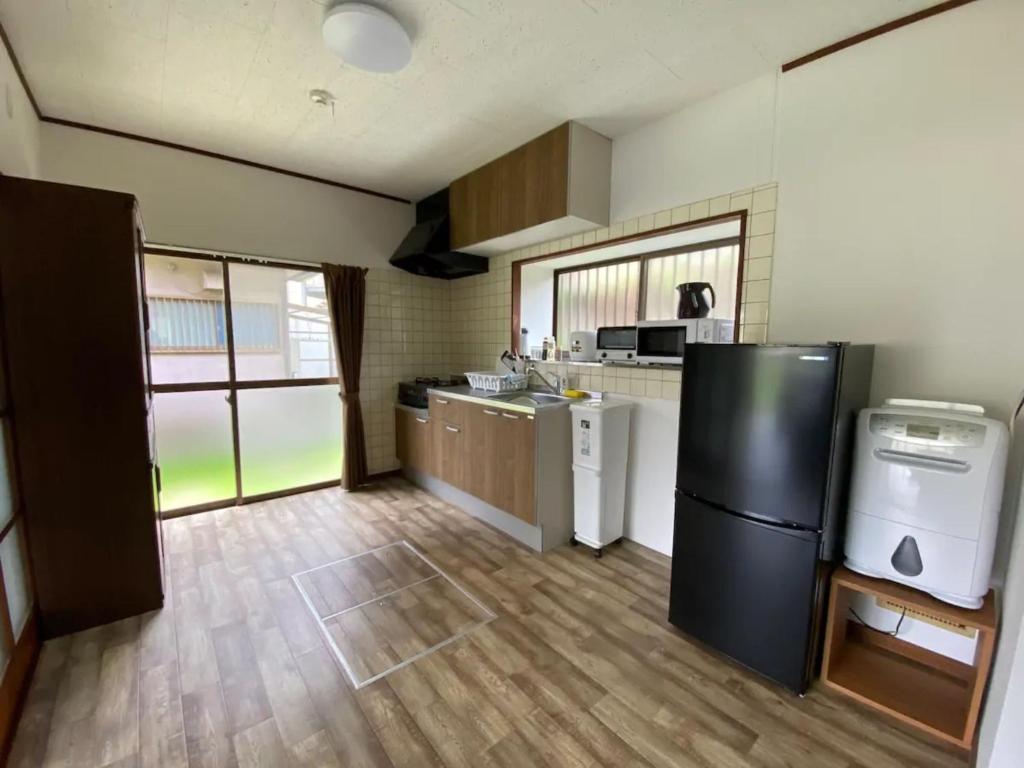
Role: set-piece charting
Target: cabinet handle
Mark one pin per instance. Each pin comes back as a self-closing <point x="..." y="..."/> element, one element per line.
<point x="421" y="420"/>
<point x="440" y="401"/>
<point x="510" y="416"/>
<point x="489" y="412"/>
<point x="450" y="428"/>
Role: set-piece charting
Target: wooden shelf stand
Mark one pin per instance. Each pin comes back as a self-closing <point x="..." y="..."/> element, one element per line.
<point x="929" y="691"/>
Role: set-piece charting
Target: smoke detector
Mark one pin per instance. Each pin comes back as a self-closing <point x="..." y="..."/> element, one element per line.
<point x="367" y="37"/>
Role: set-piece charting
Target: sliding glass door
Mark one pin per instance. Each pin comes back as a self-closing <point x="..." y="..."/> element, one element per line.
<point x="244" y="378"/>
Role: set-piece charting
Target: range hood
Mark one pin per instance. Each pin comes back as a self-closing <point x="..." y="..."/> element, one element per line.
<point x="426" y="250"/>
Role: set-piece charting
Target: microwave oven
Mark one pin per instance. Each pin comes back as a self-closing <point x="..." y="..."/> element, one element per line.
<point x="663" y="341"/>
<point x="617" y="344"/>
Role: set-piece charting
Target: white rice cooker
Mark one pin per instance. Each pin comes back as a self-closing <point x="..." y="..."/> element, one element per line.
<point x="925" y="497"/>
<point x="583" y="346"/>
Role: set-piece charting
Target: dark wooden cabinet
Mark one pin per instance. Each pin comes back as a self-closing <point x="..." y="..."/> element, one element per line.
<point x="560" y="179"/>
<point x="449" y="448"/>
<point x="74" y="328"/>
<point x="477" y="199"/>
<point x="515" y="489"/>
<point x="482" y="434"/>
<point x="413" y="441"/>
<point x="447" y="422"/>
<point x="535" y="181"/>
<point x="486" y="451"/>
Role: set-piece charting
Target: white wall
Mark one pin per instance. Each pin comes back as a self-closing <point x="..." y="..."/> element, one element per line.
<point x="1006" y="749"/>
<point x="715" y="147"/>
<point x="899" y="219"/>
<point x="19" y="127"/>
<point x="650" y="483"/>
<point x="199" y="202"/>
<point x="718" y="145"/>
<point x="899" y="223"/>
<point x="1001" y="739"/>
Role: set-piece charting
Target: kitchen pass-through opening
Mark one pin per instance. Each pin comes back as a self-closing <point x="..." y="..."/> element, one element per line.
<point x="386" y="608"/>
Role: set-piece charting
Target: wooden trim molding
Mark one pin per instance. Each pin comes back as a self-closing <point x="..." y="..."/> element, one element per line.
<point x="172" y="145"/>
<point x="219" y="156"/>
<point x="19" y="72"/>
<point x="16" y="682"/>
<point x="903" y="21"/>
<point x="741" y="263"/>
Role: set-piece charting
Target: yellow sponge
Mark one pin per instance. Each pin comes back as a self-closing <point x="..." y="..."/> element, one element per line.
<point x="574" y="393"/>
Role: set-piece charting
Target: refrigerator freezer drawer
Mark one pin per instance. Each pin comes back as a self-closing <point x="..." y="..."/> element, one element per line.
<point x="746" y="589"/>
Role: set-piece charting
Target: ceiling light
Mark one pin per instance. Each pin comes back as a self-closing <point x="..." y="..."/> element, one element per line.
<point x="367" y="37"/>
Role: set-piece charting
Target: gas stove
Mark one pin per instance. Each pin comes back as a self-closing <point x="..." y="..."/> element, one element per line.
<point x="414" y="393"/>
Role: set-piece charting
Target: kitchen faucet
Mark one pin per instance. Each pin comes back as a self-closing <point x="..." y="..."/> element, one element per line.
<point x="559" y="383"/>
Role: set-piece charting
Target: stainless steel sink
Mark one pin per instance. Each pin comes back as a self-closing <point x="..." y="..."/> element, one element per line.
<point x="528" y="399"/>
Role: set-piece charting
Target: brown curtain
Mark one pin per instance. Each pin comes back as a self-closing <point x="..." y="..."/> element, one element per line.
<point x="346" y="297"/>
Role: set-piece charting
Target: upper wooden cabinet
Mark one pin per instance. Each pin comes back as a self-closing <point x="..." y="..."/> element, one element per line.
<point x="535" y="181"/>
<point x="556" y="185"/>
<point x="478" y="197"/>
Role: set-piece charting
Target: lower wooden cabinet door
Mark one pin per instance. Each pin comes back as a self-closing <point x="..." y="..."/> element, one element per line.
<point x="483" y="424"/>
<point x="449" y="447"/>
<point x="489" y="453"/>
<point x="516" y="463"/>
<point x="413" y="441"/>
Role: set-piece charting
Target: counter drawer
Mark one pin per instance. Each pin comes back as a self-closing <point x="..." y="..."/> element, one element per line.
<point x="448" y="409"/>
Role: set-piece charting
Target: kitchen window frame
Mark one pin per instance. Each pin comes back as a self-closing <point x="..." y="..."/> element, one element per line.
<point x="644" y="259"/>
<point x="233" y="385"/>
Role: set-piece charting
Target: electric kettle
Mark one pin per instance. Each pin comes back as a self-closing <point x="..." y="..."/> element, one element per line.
<point x="692" y="302"/>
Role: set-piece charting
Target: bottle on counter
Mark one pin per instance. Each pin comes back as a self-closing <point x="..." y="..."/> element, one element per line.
<point x="545" y="349"/>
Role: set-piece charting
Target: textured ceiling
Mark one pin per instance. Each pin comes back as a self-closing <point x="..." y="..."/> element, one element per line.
<point x="232" y="76"/>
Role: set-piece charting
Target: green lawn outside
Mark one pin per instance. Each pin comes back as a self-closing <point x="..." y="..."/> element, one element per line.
<point x="198" y="479"/>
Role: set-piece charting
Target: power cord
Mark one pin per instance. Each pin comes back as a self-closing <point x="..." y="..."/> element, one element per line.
<point x="892" y="633"/>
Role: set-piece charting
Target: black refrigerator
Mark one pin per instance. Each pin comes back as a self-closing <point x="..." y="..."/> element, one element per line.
<point x="765" y="441"/>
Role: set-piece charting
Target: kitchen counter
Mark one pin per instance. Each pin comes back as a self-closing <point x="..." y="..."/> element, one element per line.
<point x="485" y="397"/>
<point x="508" y="464"/>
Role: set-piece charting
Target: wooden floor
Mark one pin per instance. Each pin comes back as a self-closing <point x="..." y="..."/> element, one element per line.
<point x="579" y="669"/>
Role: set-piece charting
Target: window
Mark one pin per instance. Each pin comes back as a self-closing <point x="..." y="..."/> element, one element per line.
<point x="269" y="303"/>
<point x="643" y="287"/>
<point x="245" y="397"/>
<point x="716" y="264"/>
<point x="589" y="297"/>
<point x="197" y="325"/>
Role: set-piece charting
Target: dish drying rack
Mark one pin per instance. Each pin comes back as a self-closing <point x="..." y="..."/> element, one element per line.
<point x="497" y="382"/>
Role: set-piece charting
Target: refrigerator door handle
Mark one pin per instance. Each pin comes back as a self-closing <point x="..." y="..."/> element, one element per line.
<point x="782" y="526"/>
